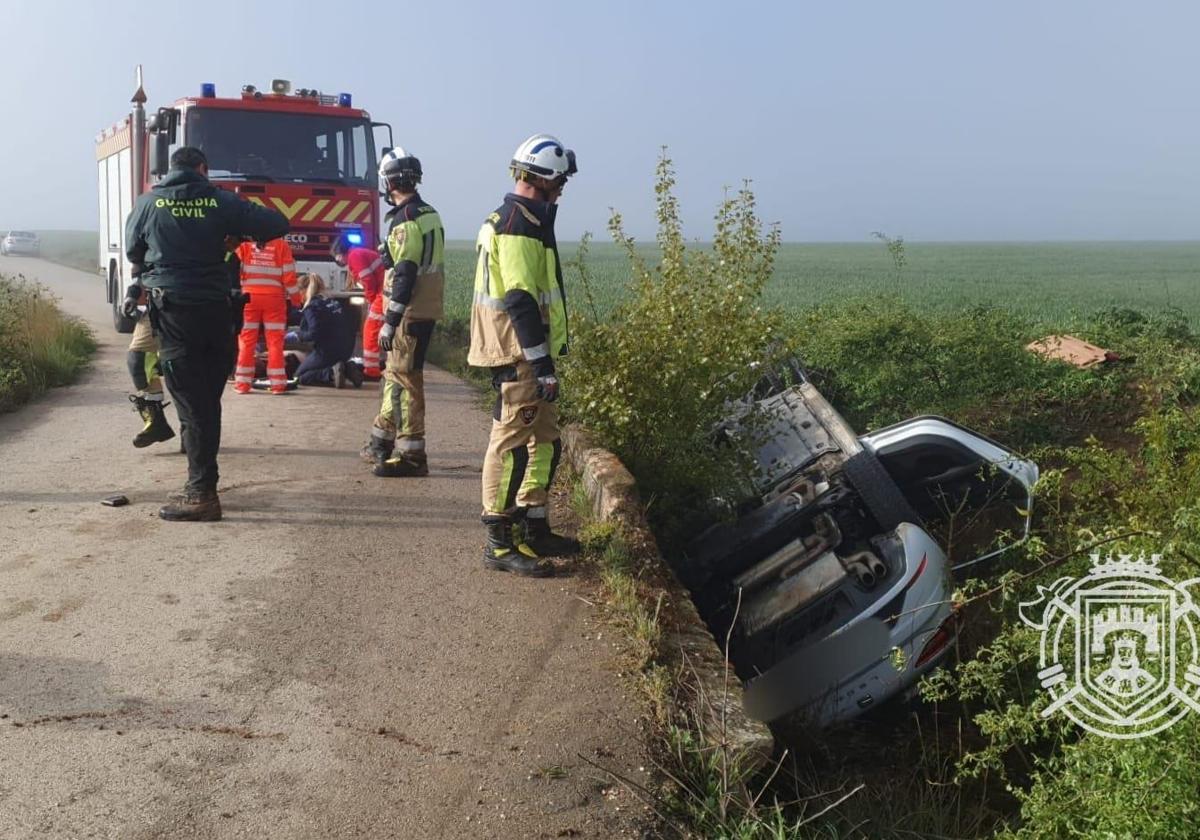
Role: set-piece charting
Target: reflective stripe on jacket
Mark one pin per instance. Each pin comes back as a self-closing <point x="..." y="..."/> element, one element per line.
<point x="519" y="310"/>
<point x="269" y="268"/>
<point x="366" y="268"/>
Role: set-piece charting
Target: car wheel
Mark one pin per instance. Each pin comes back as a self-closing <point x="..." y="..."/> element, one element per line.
<point x="878" y="491"/>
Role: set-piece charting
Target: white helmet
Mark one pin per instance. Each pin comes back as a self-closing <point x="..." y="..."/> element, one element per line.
<point x="398" y="170"/>
<point x="544" y="155"/>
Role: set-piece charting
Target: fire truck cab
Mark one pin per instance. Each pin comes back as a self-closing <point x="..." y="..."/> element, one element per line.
<point x="310" y="155"/>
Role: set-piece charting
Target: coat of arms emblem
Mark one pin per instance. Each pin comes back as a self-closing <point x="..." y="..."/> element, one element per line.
<point x="1120" y="651"/>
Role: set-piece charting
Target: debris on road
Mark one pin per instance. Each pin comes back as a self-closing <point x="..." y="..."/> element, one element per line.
<point x="115" y="501"/>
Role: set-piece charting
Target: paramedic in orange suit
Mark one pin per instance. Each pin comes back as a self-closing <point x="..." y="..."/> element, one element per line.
<point x="269" y="278"/>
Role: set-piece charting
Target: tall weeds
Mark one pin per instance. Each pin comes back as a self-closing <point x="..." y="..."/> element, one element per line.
<point x="40" y="346"/>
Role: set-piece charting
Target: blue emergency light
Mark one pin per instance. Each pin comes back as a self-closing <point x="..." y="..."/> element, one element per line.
<point x="354" y="238"/>
<point x="344" y="100"/>
<point x="208" y="90"/>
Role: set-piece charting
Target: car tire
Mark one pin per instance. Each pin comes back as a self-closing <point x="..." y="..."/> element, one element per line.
<point x="878" y="491"/>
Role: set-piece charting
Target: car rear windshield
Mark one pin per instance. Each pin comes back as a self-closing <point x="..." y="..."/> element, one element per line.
<point x="316" y="148"/>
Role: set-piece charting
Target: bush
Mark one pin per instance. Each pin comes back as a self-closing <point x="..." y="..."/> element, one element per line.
<point x="1119" y="449"/>
<point x="40" y="346"/>
<point x="653" y="377"/>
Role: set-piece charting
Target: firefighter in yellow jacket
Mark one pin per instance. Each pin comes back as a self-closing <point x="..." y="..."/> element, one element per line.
<point x="415" y="245"/>
<point x="518" y="329"/>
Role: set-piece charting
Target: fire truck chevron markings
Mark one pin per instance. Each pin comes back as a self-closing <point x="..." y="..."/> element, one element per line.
<point x="289" y="210"/>
<point x="336" y="211"/>
<point x="315" y="210"/>
<point x="358" y="210"/>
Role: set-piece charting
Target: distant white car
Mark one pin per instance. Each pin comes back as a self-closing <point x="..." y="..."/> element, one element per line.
<point x="830" y="585"/>
<point x="20" y="242"/>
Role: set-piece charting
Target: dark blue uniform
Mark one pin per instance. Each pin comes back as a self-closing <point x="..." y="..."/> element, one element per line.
<point x="176" y="234"/>
<point x="327" y="325"/>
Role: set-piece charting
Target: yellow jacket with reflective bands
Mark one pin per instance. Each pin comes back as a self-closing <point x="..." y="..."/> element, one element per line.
<point x="520" y="310"/>
<point x="416" y="243"/>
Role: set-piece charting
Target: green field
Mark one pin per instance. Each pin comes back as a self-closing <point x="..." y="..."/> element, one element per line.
<point x="1046" y="281"/>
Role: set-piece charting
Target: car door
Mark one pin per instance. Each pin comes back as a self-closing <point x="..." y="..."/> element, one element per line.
<point x="974" y="495"/>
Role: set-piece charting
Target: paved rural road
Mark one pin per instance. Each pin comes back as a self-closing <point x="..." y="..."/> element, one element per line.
<point x="329" y="661"/>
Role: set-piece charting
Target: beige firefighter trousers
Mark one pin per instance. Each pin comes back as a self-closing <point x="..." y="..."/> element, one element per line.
<point x="143" y="340"/>
<point x="402" y="411"/>
<point x="523" y="449"/>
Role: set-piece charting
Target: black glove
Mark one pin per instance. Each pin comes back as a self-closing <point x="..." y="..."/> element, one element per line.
<point x="547" y="388"/>
<point x="386" y="253"/>
<point x="129" y="306"/>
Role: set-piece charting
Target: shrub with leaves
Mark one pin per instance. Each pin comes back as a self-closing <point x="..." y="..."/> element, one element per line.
<point x="654" y="376"/>
<point x="40" y="346"/>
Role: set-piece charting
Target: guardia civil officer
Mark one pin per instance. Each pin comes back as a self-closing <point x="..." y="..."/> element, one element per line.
<point x="518" y="329"/>
<point x="175" y="238"/>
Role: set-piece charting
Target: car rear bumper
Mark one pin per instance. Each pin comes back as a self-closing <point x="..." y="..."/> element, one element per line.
<point x="875" y="656"/>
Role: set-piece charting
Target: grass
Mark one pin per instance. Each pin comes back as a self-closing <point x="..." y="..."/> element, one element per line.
<point x="40" y="346"/>
<point x="73" y="248"/>
<point x="1044" y="280"/>
<point x="1055" y="281"/>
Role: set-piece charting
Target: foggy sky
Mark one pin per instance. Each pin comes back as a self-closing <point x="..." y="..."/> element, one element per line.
<point x="931" y="120"/>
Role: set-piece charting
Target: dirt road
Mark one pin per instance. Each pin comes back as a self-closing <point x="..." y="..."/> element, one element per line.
<point x="331" y="660"/>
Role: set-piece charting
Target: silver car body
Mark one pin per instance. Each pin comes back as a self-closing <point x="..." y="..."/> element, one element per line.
<point x="20" y="242"/>
<point x="884" y="615"/>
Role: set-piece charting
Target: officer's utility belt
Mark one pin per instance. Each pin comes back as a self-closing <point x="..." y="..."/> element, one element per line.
<point x="161" y="300"/>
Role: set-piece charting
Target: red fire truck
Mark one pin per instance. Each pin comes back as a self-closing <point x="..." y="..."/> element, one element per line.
<point x="310" y="155"/>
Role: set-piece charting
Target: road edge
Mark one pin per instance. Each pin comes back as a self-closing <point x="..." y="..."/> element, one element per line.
<point x="715" y="696"/>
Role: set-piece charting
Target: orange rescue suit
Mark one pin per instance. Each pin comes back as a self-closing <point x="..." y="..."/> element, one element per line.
<point x="269" y="278"/>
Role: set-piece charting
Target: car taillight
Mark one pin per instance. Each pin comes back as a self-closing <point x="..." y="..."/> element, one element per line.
<point x="938" y="641"/>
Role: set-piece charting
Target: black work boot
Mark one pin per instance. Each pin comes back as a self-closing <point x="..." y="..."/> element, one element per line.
<point x="376" y="450"/>
<point x="194" y="506"/>
<point x="501" y="555"/>
<point x="535" y="539"/>
<point x="157" y="429"/>
<point x="354" y="374"/>
<point x="405" y="465"/>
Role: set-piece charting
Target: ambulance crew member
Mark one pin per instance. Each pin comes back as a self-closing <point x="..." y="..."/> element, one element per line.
<point x="269" y="278"/>
<point x="415" y="245"/>
<point x="330" y="328"/>
<point x="175" y="239"/>
<point x="366" y="269"/>
<point x="518" y="328"/>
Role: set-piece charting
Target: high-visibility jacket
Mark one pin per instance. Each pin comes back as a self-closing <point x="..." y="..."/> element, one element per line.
<point x="367" y="268"/>
<point x="416" y="244"/>
<point x="520" y="308"/>
<point x="269" y="270"/>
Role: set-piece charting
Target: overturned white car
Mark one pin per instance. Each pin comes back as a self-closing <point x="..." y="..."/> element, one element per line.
<point x="833" y="583"/>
